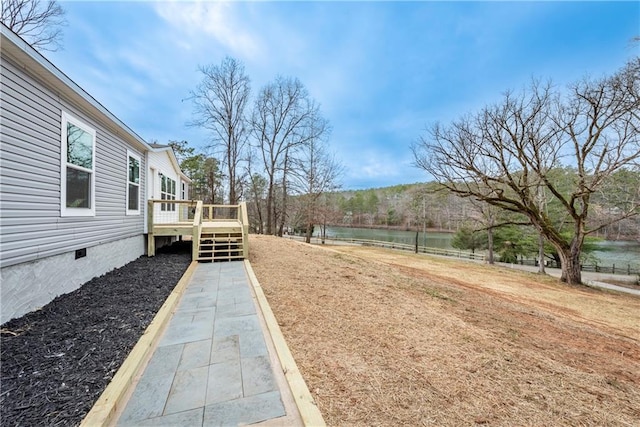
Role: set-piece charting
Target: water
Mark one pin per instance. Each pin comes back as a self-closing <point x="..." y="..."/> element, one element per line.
<point x="622" y="254"/>
<point x="432" y="240"/>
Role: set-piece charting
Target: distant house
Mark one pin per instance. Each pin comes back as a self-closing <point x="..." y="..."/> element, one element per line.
<point x="74" y="181"/>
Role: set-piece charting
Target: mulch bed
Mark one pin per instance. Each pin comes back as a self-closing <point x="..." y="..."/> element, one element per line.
<point x="56" y="361"/>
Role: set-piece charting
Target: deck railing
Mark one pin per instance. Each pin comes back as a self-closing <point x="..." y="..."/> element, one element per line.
<point x="197" y="229"/>
<point x="172" y="212"/>
<point x="187" y="217"/>
<point x="219" y="212"/>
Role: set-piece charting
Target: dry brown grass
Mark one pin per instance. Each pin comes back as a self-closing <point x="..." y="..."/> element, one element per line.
<point x="388" y="338"/>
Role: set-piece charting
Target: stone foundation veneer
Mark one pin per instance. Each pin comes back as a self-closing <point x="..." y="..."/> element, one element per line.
<point x="31" y="285"/>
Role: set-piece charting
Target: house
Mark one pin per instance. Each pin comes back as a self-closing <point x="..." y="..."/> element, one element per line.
<point x="164" y="168"/>
<point x="165" y="181"/>
<point x="74" y="181"/>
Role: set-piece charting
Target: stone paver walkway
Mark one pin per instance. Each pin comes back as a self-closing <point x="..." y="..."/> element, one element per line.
<point x="211" y="366"/>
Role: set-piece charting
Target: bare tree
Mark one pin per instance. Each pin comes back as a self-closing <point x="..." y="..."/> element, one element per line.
<point x="38" y="22"/>
<point x="503" y="154"/>
<point x="280" y="123"/>
<point x="487" y="218"/>
<point x="618" y="194"/>
<point x="257" y="186"/>
<point x="315" y="172"/>
<point x="220" y="102"/>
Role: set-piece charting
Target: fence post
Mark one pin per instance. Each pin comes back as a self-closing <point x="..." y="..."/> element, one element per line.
<point x="613" y="269"/>
<point x="417" y="234"/>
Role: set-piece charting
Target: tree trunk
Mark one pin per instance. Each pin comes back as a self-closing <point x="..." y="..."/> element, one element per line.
<point x="233" y="200"/>
<point x="310" y="220"/>
<point x="230" y="174"/>
<point x="260" y="228"/>
<point x="231" y="166"/>
<point x="307" y="237"/>
<point x="269" y="205"/>
<point x="541" y="254"/>
<point x="490" y="245"/>
<point x="283" y="215"/>
<point x="570" y="264"/>
<point x="324" y="230"/>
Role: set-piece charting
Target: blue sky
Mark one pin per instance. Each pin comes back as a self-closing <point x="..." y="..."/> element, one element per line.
<point x="382" y="71"/>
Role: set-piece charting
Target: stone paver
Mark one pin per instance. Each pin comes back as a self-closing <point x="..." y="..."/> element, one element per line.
<point x="211" y="366"/>
<point x="248" y="410"/>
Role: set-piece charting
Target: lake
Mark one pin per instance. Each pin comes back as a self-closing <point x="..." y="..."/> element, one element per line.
<point x="619" y="253"/>
<point x="609" y="252"/>
<point x="432" y="240"/>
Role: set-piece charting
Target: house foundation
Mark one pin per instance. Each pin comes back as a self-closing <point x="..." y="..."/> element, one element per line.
<point x="31" y="285"/>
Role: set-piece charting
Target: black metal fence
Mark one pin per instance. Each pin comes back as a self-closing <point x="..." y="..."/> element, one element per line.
<point x="594" y="268"/>
<point x="612" y="269"/>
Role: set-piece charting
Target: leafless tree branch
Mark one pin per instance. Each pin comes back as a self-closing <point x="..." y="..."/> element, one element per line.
<point x="220" y="102"/>
<point x="505" y="153"/>
<point x="39" y="23"/>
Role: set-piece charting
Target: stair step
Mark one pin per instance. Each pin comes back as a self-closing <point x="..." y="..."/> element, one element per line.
<point x="227" y="246"/>
<point x="224" y="258"/>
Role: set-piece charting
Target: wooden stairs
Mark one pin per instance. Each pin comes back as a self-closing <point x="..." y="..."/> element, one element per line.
<point x="216" y="245"/>
<point x="217" y="232"/>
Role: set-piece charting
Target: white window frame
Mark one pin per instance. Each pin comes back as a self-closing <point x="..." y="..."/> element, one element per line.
<point x="131" y="154"/>
<point x="70" y="211"/>
<point x="167" y="195"/>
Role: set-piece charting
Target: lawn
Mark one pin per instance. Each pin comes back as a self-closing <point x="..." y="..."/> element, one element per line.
<point x="391" y="338"/>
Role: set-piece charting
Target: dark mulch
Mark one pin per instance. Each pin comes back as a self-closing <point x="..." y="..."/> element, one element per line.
<point x="56" y="361"/>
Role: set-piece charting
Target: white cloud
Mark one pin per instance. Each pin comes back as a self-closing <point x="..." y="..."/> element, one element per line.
<point x="379" y="169"/>
<point x="216" y="19"/>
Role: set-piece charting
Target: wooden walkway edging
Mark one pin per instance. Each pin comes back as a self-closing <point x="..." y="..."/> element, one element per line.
<point x="307" y="407"/>
<point x="115" y="395"/>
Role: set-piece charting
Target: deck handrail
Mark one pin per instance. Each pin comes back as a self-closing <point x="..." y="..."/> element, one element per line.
<point x="243" y="217"/>
<point x="240" y="214"/>
<point x="197" y="228"/>
<point x="214" y="215"/>
<point x="172" y="211"/>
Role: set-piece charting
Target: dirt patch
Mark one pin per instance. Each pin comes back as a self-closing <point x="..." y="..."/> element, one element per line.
<point x="57" y="361"/>
<point x="389" y="338"/>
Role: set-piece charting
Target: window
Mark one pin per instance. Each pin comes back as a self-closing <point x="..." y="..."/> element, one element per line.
<point x="133" y="184"/>
<point x="77" y="168"/>
<point x="167" y="192"/>
<point x="183" y="193"/>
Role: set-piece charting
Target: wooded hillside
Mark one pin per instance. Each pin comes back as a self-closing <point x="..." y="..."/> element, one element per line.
<point x="427" y="205"/>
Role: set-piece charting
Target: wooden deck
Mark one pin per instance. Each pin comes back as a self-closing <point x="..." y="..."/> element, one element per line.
<point x="214" y="237"/>
<point x="176" y="229"/>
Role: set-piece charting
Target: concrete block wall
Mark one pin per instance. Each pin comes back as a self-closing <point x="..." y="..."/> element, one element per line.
<point x="29" y="286"/>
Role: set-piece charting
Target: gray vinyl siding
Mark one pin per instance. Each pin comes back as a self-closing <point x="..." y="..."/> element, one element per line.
<point x="31" y="226"/>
